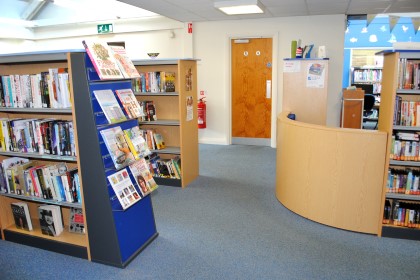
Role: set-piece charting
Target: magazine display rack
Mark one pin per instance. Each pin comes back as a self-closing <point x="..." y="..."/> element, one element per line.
<point x="175" y="121"/>
<point x="113" y="236"/>
<point x="117" y="235"/>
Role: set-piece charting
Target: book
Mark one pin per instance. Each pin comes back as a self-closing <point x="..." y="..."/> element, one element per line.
<point x="103" y="60"/>
<point x="18" y="177"/>
<point x="50" y="220"/>
<point x="6" y="164"/>
<point x="137" y="144"/>
<point x="159" y="142"/>
<point x="76" y="221"/>
<point x="129" y="102"/>
<point x="169" y="82"/>
<point x="20" y="211"/>
<point x="109" y="105"/>
<point x="124" y="188"/>
<point x="144" y="179"/>
<point x="117" y="146"/>
<point x="125" y="64"/>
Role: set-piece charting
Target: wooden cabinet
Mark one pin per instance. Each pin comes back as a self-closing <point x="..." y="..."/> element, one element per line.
<point x="176" y="120"/>
<point x="398" y="194"/>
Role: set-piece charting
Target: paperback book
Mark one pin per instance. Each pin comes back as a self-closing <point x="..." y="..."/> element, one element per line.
<point x="103" y="60"/>
<point x="136" y="142"/>
<point x="21" y="215"/>
<point x="129" y="102"/>
<point x="50" y="220"/>
<point x="77" y="221"/>
<point x="117" y="146"/>
<point x="124" y="188"/>
<point x="109" y="105"/>
<point x="124" y="62"/>
<point x="143" y="177"/>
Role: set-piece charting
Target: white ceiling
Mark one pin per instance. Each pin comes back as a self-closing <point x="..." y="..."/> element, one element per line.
<point x="39" y="13"/>
<point x="203" y="10"/>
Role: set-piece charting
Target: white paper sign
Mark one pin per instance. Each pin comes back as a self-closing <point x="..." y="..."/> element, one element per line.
<point x="315" y="75"/>
<point x="291" y="66"/>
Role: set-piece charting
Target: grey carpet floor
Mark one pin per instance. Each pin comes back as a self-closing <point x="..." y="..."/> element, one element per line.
<point x="228" y="224"/>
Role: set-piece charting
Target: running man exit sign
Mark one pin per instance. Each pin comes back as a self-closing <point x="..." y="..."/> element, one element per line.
<point x="105" y="28"/>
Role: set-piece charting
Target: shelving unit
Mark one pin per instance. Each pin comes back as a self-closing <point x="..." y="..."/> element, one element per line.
<point x="67" y="243"/>
<point x="180" y="135"/>
<point x="386" y="123"/>
<point x="113" y="236"/>
<point x="116" y="236"/>
<point x="362" y="76"/>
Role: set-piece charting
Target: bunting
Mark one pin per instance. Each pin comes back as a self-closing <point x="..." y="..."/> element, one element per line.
<point x="392" y="22"/>
<point x="416" y="23"/>
<point x="369" y="18"/>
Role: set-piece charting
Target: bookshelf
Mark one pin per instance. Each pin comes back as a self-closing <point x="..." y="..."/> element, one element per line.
<point x="393" y="93"/>
<point x="113" y="236"/>
<point x="367" y="78"/>
<point x="67" y="243"/>
<point x="180" y="134"/>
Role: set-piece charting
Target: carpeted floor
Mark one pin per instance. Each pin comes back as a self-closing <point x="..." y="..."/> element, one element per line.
<point x="228" y="224"/>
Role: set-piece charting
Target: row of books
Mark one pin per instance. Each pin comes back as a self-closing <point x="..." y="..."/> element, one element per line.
<point x="406" y="113"/>
<point x="153" y="139"/>
<point x="23" y="177"/>
<point x="41" y="136"/>
<point x="367" y="75"/>
<point x="157" y="81"/>
<point x="123" y="105"/>
<point x="399" y="213"/>
<point x="405" y="150"/>
<point x="403" y="181"/>
<point x="48" y="89"/>
<point x="164" y="168"/>
<point x="408" y="74"/>
<point x="49" y="217"/>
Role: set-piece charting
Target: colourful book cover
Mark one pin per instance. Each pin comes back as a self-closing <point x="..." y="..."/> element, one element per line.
<point x="129" y="102"/>
<point x="109" y="105"/>
<point x="103" y="60"/>
<point x="117" y="146"/>
<point x="124" y="62"/>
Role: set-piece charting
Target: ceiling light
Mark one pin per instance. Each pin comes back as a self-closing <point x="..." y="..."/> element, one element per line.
<point x="240" y="7"/>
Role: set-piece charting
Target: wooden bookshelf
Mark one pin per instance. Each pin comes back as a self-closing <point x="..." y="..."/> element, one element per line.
<point x="390" y="90"/>
<point x="67" y="243"/>
<point x="180" y="135"/>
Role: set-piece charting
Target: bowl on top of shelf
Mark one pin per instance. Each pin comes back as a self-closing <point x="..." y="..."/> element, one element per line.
<point x="153" y="55"/>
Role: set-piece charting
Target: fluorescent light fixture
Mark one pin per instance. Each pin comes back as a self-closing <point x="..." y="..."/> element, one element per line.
<point x="240" y="7"/>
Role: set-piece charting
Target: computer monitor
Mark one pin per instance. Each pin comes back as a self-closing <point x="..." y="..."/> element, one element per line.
<point x="368" y="88"/>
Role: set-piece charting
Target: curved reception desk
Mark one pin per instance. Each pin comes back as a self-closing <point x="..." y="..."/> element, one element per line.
<point x="333" y="176"/>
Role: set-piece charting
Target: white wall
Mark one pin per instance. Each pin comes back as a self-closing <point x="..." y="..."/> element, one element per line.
<point x="211" y="44"/>
<point x="212" y="47"/>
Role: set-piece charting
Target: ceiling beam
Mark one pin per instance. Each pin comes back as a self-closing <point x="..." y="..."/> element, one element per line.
<point x="33" y="8"/>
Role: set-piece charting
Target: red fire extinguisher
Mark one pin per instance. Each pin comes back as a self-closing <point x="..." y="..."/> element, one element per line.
<point x="201" y="106"/>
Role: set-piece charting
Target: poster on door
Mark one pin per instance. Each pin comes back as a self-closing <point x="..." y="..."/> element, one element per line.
<point x="315" y="75"/>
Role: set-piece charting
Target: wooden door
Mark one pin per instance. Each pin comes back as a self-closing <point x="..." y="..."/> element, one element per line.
<point x="251" y="90"/>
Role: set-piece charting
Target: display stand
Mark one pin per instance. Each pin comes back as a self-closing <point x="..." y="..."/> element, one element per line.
<point x="116" y="236"/>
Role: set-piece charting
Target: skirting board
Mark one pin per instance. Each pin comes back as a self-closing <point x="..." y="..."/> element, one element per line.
<point x="251" y="141"/>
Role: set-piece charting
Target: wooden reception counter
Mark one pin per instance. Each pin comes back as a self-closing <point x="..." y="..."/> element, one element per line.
<point x="333" y="176"/>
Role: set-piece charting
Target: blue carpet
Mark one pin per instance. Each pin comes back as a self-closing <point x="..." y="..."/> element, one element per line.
<point x="228" y="224"/>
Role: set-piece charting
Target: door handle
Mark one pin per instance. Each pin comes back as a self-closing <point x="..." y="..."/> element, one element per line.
<point x="268" y="89"/>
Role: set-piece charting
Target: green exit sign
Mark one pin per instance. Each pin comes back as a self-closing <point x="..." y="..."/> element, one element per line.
<point x="105" y="28"/>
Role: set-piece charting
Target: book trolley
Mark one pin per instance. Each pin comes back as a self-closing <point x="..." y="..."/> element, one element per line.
<point x="116" y="236"/>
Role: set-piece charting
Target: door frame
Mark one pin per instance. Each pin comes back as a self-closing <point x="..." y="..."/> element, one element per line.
<point x="274" y="83"/>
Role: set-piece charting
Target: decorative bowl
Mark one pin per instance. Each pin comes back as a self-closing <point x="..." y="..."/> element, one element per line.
<point x="153" y="55"/>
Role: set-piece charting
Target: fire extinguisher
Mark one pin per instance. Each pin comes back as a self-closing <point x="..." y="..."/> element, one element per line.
<point x="201" y="106"/>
